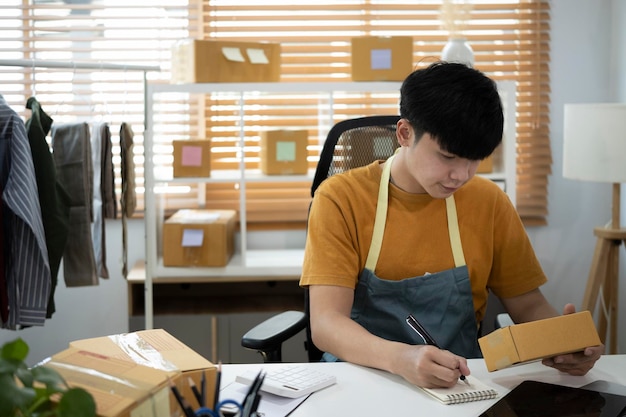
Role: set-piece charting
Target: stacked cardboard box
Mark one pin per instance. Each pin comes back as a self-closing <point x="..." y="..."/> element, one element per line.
<point x="158" y="350"/>
<point x="284" y="152"/>
<point x="199" y="238"/>
<point x="217" y="61"/>
<point x="192" y="158"/>
<point x="381" y="58"/>
<point x="119" y="388"/>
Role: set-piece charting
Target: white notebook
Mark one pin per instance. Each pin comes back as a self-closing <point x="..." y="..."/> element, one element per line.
<point x="462" y="392"/>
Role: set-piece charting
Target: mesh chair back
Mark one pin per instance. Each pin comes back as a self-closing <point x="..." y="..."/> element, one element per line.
<point x="350" y="144"/>
<point x="354" y="143"/>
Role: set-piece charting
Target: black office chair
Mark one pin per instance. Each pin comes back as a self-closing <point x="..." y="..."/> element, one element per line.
<point x="350" y="143"/>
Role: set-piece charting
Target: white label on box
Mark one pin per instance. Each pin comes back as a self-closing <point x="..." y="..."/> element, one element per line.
<point x="233" y="54"/>
<point x="257" y="56"/>
<point x="380" y="59"/>
<point x="192" y="238"/>
<point x="191" y="156"/>
<point x="286" y="151"/>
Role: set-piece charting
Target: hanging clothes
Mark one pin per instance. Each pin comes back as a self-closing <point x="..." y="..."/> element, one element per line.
<point x="128" y="200"/>
<point x="4" y="295"/>
<point x="72" y="156"/>
<point x="53" y="199"/>
<point x="109" y="203"/>
<point x="100" y="140"/>
<point x="27" y="269"/>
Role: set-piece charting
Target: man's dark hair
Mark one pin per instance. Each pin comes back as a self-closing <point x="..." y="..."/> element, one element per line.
<point x="457" y="105"/>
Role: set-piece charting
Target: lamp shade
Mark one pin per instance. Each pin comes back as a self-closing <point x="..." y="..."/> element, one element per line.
<point x="594" y="147"/>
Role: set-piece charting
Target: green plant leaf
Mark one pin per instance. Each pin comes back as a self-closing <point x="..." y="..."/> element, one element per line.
<point x="8" y="366"/>
<point x="76" y="402"/>
<point x="25" y="375"/>
<point x="13" y="397"/>
<point x="53" y="381"/>
<point x="16" y="350"/>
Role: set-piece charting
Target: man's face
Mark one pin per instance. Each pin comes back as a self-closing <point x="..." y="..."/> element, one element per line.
<point x="433" y="170"/>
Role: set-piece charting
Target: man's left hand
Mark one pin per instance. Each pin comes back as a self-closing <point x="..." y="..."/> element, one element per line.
<point x="578" y="363"/>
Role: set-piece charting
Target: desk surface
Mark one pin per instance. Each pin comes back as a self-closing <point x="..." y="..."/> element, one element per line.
<point x="361" y="391"/>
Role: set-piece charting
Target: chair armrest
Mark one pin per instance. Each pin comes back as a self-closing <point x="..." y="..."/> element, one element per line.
<point x="274" y="331"/>
<point x="503" y="320"/>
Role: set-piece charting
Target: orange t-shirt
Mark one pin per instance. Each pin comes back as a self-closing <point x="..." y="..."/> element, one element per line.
<point x="497" y="250"/>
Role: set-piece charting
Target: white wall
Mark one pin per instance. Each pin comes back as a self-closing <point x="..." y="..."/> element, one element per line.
<point x="586" y="34"/>
<point x="583" y="69"/>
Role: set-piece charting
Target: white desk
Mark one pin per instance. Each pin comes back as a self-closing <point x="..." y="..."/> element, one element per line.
<point x="364" y="392"/>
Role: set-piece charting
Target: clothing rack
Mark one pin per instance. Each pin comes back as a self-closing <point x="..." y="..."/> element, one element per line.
<point x="35" y="63"/>
<point x="38" y="63"/>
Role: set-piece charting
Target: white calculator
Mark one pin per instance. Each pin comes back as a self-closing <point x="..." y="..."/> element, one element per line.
<point x="290" y="381"/>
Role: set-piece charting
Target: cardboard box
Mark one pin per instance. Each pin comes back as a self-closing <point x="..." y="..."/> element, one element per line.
<point x="119" y="388"/>
<point x="159" y="350"/>
<point x="216" y="61"/>
<point x="284" y="152"/>
<point x="485" y="166"/>
<point x="381" y="58"/>
<point x="199" y="238"/>
<point x="538" y="339"/>
<point x="192" y="158"/>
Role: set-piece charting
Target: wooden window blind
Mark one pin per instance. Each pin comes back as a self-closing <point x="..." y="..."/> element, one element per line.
<point x="510" y="40"/>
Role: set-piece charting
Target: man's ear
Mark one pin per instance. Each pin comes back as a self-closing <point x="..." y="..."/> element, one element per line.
<point x="404" y="132"/>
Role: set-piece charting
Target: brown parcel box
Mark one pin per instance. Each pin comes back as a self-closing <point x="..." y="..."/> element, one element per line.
<point x="538" y="339"/>
<point x="215" y="61"/>
<point x="192" y="158"/>
<point x="284" y="152"/>
<point x="199" y="238"/>
<point x="119" y="388"/>
<point x="485" y="166"/>
<point x="381" y="58"/>
<point x="160" y="350"/>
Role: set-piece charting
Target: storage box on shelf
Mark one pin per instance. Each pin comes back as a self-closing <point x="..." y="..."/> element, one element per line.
<point x="192" y="158"/>
<point x="381" y="58"/>
<point x="283" y="152"/>
<point x="214" y="61"/>
<point x="280" y="264"/>
<point x="199" y="238"/>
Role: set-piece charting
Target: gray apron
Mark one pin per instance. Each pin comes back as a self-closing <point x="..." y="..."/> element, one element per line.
<point x="442" y="302"/>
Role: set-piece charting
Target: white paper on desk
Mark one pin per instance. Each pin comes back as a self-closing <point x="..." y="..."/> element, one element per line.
<point x="270" y="405"/>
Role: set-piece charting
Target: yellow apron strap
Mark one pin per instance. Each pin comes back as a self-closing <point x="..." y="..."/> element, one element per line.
<point x="453" y="231"/>
<point x="381" y="219"/>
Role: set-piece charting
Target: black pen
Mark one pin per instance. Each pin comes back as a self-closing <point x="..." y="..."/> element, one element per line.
<point x="428" y="339"/>
<point x="218" y="381"/>
<point x="184" y="405"/>
<point x="196" y="392"/>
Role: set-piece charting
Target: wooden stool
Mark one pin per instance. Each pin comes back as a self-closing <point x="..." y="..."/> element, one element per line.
<point x="604" y="273"/>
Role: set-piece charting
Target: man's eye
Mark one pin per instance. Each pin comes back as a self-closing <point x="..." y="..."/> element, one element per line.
<point x="444" y="156"/>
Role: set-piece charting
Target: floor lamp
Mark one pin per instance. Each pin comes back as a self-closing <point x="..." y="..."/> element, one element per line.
<point x="594" y="149"/>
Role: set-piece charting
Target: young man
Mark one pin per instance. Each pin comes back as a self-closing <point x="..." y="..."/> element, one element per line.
<point x="441" y="237"/>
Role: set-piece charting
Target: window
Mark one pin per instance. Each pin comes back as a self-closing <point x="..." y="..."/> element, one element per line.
<point x="510" y="39"/>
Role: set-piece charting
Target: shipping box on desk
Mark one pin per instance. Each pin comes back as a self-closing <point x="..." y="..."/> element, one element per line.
<point x="192" y="158"/>
<point x="199" y="238"/>
<point x="538" y="339"/>
<point x="219" y="61"/>
<point x="159" y="350"/>
<point x="119" y="388"/>
<point x="381" y="58"/>
<point x="284" y="152"/>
